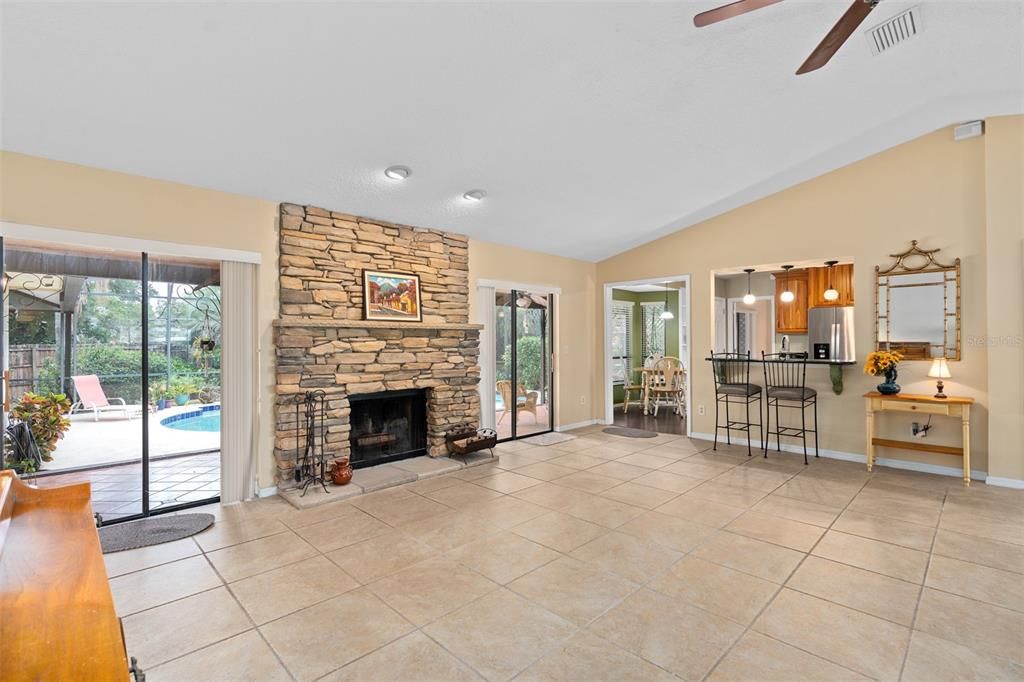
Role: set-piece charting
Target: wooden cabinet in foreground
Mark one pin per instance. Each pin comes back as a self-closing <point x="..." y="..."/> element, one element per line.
<point x="57" y="619"/>
<point x="791" y="317"/>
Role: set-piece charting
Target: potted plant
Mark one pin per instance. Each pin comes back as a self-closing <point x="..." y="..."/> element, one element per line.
<point x="884" y="362"/>
<point x="182" y="390"/>
<point x="47" y="417"/>
<point x="156" y="394"/>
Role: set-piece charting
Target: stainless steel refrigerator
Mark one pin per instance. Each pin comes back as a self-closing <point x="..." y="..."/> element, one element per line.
<point x="830" y="333"/>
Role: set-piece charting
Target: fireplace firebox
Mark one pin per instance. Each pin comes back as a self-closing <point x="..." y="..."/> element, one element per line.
<point x="387" y="426"/>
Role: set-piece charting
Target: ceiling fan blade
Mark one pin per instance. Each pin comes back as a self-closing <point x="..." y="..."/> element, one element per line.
<point x="733" y="9"/>
<point x="835" y="38"/>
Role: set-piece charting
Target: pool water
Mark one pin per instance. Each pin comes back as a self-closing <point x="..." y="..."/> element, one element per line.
<point x="204" y="419"/>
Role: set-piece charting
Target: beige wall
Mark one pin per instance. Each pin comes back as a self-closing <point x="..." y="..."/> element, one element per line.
<point x="931" y="189"/>
<point x="575" y="324"/>
<point x="1004" y="279"/>
<point x="964" y="198"/>
<point x="45" y="193"/>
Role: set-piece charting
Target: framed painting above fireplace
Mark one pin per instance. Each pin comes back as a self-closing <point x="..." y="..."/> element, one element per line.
<point x="391" y="296"/>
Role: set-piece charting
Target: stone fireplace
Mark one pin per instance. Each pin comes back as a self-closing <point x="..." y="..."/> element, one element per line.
<point x="322" y="342"/>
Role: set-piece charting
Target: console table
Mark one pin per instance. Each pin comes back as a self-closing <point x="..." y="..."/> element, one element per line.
<point x="951" y="406"/>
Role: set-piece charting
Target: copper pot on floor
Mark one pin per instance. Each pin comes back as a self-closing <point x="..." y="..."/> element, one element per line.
<point x="341" y="472"/>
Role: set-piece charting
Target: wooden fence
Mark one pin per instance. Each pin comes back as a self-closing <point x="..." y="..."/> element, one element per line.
<point x="25" y="363"/>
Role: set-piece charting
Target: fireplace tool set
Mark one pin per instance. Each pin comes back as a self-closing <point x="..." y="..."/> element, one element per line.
<point x="311" y="408"/>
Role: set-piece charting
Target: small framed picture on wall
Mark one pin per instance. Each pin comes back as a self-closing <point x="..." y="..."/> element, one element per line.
<point x="391" y="296"/>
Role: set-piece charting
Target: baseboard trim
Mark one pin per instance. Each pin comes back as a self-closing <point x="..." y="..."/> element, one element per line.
<point x="269" y="491"/>
<point x="1005" y="482"/>
<point x="577" y="425"/>
<point x="879" y="461"/>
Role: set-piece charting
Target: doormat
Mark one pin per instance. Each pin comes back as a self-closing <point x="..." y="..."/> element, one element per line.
<point x="629" y="433"/>
<point x="548" y="439"/>
<point x="152" y="531"/>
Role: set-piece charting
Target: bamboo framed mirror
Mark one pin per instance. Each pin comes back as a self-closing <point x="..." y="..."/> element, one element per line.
<point x="917" y="305"/>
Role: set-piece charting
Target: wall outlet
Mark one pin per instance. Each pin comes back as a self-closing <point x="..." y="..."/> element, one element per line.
<point x="700" y="410"/>
<point x="583" y="400"/>
<point x="919" y="430"/>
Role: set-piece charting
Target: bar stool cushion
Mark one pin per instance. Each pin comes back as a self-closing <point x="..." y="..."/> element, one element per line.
<point x="791" y="393"/>
<point x="739" y="389"/>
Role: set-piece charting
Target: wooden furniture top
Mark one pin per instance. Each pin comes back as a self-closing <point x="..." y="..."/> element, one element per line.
<point x="920" y="398"/>
<point x="57" y="618"/>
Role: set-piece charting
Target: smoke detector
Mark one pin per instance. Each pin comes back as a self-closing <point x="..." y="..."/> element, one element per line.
<point x="895" y="30"/>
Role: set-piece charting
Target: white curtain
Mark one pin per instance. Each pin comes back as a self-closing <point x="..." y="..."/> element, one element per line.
<point x="239" y="382"/>
<point x="483" y="311"/>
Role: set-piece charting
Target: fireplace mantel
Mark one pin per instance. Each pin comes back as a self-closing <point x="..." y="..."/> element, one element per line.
<point x="374" y="324"/>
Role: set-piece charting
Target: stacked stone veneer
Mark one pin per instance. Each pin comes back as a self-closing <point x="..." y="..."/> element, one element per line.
<point x="323" y="343"/>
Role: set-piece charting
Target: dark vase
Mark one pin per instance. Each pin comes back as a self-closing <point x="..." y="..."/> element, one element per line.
<point x="889" y="386"/>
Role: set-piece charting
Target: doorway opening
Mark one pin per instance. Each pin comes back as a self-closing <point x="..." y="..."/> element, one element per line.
<point x="647" y="324"/>
<point x="523" y="392"/>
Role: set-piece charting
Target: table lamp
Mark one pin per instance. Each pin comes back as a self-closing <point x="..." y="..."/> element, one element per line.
<point x="940" y="371"/>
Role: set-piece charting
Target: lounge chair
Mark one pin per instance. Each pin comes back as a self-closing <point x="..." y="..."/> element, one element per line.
<point x="91" y="397"/>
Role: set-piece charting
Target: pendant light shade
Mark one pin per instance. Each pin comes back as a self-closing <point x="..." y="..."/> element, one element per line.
<point x="787" y="296"/>
<point x="831" y="294"/>
<point x="666" y="314"/>
<point x="749" y="298"/>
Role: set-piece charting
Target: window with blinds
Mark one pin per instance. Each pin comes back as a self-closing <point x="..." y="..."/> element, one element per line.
<point x="622" y="339"/>
<point x="652" y="343"/>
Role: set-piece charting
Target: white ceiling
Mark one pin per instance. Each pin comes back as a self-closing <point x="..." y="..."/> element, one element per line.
<point x="593" y="127"/>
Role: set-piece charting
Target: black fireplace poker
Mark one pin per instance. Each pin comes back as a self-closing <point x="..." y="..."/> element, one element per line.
<point x="312" y="468"/>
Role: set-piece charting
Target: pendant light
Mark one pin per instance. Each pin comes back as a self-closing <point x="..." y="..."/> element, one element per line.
<point x="787" y="296"/>
<point x="831" y="294"/>
<point x="666" y="314"/>
<point x="749" y="299"/>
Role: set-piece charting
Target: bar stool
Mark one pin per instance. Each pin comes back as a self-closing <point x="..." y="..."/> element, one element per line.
<point x="732" y="386"/>
<point x="785" y="380"/>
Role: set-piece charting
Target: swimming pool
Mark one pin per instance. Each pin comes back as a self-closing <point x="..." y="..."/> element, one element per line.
<point x="206" y="418"/>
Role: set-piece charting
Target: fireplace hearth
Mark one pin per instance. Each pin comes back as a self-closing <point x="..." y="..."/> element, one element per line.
<point x="387" y="426"/>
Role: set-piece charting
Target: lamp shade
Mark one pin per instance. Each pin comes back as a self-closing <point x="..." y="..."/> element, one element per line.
<point x="939" y="369"/>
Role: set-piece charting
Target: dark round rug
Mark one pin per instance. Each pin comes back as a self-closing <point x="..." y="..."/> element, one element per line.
<point x="629" y="433"/>
<point x="152" y="531"/>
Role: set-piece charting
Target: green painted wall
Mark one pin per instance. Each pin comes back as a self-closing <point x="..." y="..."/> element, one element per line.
<point x="671" y="329"/>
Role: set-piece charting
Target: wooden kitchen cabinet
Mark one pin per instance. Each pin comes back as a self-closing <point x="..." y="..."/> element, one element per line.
<point x="791" y="318"/>
<point x="842" y="281"/>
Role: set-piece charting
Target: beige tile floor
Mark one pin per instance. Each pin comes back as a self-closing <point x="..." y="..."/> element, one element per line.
<point x="600" y="558"/>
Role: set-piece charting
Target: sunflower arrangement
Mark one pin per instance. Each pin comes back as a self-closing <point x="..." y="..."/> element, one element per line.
<point x="881" y="362"/>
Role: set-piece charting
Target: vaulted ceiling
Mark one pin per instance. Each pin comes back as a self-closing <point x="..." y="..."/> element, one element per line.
<point x="593" y="127"/>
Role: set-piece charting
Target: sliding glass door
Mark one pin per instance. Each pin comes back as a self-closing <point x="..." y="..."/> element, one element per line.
<point x="103" y="366"/>
<point x="524" y="395"/>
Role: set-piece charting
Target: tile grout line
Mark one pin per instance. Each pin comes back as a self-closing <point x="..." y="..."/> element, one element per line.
<point x="781" y="587"/>
<point x="924" y="583"/>
<point x="607" y="530"/>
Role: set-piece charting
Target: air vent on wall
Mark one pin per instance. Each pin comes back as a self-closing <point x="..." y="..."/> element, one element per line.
<point x="895" y="30"/>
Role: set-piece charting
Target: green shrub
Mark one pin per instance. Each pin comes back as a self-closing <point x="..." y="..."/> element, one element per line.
<point x="120" y="369"/>
<point x="528" y="360"/>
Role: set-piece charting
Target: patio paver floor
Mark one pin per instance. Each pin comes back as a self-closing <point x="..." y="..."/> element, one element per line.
<point x="117" y="490"/>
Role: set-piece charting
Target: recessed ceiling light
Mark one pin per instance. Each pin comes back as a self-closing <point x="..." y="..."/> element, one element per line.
<point x="474" y="195"/>
<point x="397" y="172"/>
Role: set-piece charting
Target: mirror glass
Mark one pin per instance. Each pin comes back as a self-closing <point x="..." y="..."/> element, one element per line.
<point x="917" y="312"/>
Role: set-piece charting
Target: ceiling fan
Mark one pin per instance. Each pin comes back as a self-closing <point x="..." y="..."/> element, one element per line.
<point x="829" y="45"/>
